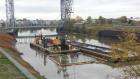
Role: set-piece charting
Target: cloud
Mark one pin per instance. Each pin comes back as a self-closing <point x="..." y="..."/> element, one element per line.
<point x="107" y="8"/>
<point x="50" y="9"/>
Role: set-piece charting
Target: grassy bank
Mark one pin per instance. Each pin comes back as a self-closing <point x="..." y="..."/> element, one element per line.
<point x="94" y="29"/>
<point x="8" y="70"/>
<point x="89" y="29"/>
<point x="6" y="42"/>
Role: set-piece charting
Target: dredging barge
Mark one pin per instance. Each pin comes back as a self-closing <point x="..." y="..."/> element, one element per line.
<point x="103" y="53"/>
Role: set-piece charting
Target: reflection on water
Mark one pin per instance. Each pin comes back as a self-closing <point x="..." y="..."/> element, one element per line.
<point x="54" y="66"/>
<point x="90" y="40"/>
<point x="71" y="59"/>
<point x="37" y="32"/>
<point x="45" y="66"/>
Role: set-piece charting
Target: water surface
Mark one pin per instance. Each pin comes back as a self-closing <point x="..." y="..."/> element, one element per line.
<point x="46" y="65"/>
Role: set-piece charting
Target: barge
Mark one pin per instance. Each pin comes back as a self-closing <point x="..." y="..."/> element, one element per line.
<point x="103" y="53"/>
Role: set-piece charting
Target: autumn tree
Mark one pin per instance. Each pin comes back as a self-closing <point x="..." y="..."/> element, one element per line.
<point x="128" y="46"/>
<point x="123" y="19"/>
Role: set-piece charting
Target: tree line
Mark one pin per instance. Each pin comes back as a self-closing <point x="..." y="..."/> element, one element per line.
<point x="93" y="26"/>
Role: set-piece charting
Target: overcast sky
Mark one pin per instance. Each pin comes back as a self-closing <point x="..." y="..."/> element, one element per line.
<point x="50" y="9"/>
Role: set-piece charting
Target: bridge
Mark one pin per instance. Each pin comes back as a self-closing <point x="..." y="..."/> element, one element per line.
<point x="31" y="27"/>
<point x="66" y="10"/>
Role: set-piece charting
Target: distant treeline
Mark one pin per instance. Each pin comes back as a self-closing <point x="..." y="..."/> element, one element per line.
<point x="93" y="26"/>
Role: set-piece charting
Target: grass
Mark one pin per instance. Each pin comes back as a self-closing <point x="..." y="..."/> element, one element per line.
<point x="5" y="61"/>
<point x="25" y="64"/>
<point x="93" y="30"/>
<point x="8" y="70"/>
<point x="6" y="42"/>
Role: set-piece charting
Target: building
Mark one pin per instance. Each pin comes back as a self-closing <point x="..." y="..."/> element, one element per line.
<point x="136" y="19"/>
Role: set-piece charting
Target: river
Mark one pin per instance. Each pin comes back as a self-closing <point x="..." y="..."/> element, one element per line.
<point x="46" y="66"/>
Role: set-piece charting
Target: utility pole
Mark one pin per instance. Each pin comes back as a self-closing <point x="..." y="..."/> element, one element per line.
<point x="10" y="19"/>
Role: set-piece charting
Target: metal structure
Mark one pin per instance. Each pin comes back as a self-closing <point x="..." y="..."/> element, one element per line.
<point x="66" y="10"/>
<point x="10" y="19"/>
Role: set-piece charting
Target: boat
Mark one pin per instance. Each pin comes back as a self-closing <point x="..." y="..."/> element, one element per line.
<point x="50" y="48"/>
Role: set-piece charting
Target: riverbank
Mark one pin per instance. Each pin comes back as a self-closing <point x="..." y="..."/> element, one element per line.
<point x="8" y="70"/>
<point x="7" y="43"/>
<point x="104" y="30"/>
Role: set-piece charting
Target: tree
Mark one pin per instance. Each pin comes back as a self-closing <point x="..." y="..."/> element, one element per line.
<point x="123" y="19"/>
<point x="89" y="19"/>
<point x="101" y="20"/>
<point x="78" y="19"/>
<point x="69" y="25"/>
<point x="128" y="46"/>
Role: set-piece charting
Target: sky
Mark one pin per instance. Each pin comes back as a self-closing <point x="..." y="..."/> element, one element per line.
<point x="50" y="9"/>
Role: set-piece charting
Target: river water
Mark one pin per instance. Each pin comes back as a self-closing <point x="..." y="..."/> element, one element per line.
<point x="46" y="64"/>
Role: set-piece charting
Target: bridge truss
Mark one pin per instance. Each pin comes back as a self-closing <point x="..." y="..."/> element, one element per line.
<point x="66" y="10"/>
<point x="10" y="19"/>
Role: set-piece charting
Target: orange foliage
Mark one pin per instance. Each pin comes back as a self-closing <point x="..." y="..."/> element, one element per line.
<point x="6" y="38"/>
<point x="6" y="41"/>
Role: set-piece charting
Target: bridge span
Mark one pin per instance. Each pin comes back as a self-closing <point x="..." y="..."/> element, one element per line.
<point x="31" y="27"/>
